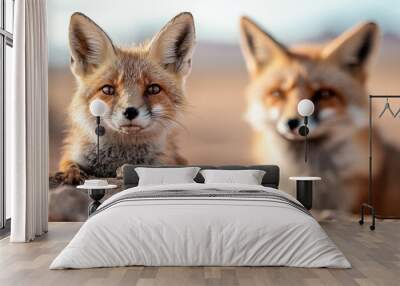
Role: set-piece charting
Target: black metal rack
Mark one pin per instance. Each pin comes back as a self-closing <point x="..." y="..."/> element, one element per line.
<point x="369" y="204"/>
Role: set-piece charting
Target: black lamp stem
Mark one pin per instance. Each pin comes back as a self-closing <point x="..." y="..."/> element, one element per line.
<point x="98" y="139"/>
<point x="100" y="131"/>
<point x="305" y="141"/>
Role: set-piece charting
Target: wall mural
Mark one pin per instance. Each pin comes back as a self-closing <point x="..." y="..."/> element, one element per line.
<point x="191" y="88"/>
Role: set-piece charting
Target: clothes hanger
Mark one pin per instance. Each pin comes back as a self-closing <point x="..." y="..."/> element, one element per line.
<point x="387" y="107"/>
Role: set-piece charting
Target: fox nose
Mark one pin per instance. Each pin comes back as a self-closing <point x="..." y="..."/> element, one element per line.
<point x="293" y="123"/>
<point x="131" y="113"/>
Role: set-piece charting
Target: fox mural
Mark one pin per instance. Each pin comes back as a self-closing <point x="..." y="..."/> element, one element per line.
<point x="143" y="88"/>
<point x="334" y="77"/>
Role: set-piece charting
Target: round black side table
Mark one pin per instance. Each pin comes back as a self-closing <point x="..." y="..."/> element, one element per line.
<point x="96" y="193"/>
<point x="304" y="190"/>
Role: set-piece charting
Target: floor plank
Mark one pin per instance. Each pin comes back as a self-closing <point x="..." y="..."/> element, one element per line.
<point x="375" y="257"/>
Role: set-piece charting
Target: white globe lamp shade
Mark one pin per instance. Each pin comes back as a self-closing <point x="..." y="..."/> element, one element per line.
<point x="305" y="107"/>
<point x="98" y="107"/>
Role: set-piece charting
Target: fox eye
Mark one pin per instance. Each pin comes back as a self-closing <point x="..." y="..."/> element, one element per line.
<point x="277" y="93"/>
<point x="153" y="89"/>
<point x="323" y="93"/>
<point x="108" y="89"/>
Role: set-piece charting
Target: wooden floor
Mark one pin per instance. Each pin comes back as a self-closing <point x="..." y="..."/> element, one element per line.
<point x="375" y="257"/>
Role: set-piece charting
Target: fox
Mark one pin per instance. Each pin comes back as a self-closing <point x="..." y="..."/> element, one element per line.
<point x="333" y="75"/>
<point x="143" y="88"/>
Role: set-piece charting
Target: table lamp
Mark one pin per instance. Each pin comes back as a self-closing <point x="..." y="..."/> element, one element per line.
<point x="98" y="108"/>
<point x="305" y="109"/>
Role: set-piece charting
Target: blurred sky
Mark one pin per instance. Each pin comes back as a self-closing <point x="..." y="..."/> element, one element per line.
<point x="217" y="20"/>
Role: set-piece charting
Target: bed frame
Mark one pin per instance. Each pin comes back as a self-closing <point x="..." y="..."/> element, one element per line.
<point x="270" y="179"/>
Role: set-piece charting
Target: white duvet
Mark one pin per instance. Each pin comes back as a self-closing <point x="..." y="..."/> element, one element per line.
<point x="200" y="231"/>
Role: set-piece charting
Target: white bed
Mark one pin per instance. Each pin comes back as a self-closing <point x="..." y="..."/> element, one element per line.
<point x="268" y="228"/>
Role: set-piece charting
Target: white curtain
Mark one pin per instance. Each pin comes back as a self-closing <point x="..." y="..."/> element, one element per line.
<point x="27" y="123"/>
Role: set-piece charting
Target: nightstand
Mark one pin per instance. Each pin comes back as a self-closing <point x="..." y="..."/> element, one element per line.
<point x="96" y="193"/>
<point x="304" y="190"/>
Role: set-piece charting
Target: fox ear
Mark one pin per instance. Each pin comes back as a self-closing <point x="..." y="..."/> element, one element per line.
<point x="258" y="47"/>
<point x="173" y="46"/>
<point x="89" y="44"/>
<point x="352" y="50"/>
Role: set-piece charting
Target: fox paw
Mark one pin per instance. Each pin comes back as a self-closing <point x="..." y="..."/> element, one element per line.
<point x="72" y="176"/>
<point x="119" y="172"/>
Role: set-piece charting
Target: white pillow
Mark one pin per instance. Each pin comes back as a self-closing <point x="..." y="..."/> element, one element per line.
<point x="248" y="177"/>
<point x="163" y="176"/>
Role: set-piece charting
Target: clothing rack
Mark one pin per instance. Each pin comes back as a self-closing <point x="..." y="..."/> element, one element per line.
<point x="369" y="204"/>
